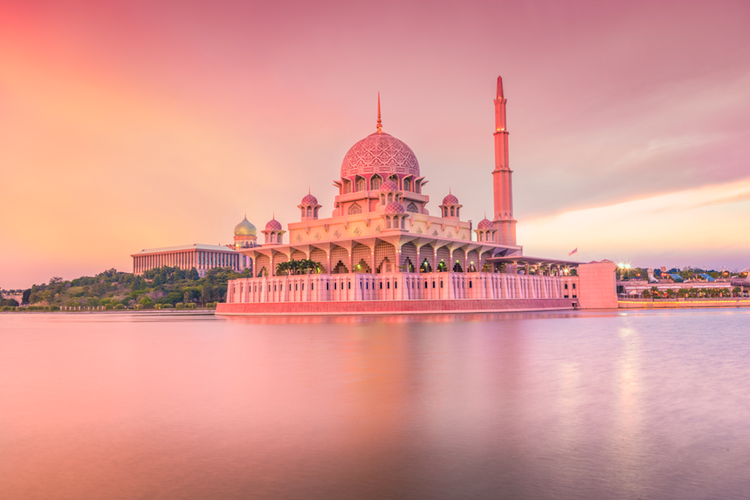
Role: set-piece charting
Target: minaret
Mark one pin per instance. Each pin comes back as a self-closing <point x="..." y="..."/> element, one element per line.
<point x="502" y="175"/>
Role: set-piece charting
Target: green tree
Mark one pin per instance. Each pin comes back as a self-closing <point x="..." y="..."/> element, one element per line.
<point x="146" y="302"/>
<point x="193" y="275"/>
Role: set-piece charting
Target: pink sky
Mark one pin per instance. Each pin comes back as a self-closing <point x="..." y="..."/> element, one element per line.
<point x="145" y="124"/>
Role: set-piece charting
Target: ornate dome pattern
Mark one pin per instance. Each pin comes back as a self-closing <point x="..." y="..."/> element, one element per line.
<point x="379" y="153"/>
<point x="309" y="200"/>
<point x="273" y="225"/>
<point x="450" y="200"/>
<point x="388" y="187"/>
<point x="394" y="208"/>
<point x="244" y="228"/>
<point x="485" y="224"/>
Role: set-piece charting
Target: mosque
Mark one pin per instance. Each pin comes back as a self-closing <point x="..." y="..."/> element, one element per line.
<point x="383" y="252"/>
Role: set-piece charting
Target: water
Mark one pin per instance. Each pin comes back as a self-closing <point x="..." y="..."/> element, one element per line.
<point x="650" y="404"/>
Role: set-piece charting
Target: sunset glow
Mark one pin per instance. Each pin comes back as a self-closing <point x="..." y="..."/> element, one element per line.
<point x="141" y="125"/>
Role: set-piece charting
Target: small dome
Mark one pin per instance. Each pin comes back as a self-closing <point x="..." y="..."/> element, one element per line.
<point x="309" y="200"/>
<point x="450" y="200"/>
<point x="389" y="186"/>
<point x="244" y="228"/>
<point x="394" y="208"/>
<point x="485" y="224"/>
<point x="273" y="225"/>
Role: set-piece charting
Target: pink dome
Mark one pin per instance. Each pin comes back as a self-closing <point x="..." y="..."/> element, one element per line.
<point x="389" y="186"/>
<point x="273" y="225"/>
<point x="485" y="224"/>
<point x="379" y="153"/>
<point x="450" y="200"/>
<point x="394" y="208"/>
<point x="309" y="200"/>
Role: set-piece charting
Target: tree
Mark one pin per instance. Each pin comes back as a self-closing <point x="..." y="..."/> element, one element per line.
<point x="282" y="268"/>
<point x="206" y="295"/>
<point x="146" y="302"/>
<point x="193" y="274"/>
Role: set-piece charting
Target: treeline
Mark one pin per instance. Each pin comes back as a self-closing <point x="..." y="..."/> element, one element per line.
<point x="157" y="288"/>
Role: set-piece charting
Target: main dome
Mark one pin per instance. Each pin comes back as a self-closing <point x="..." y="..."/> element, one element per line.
<point x="379" y="153"/>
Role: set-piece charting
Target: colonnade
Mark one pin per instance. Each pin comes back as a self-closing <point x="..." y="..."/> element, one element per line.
<point x="400" y="286"/>
<point x="202" y="260"/>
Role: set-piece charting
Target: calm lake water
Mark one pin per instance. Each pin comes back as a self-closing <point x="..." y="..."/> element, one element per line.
<point x="636" y="404"/>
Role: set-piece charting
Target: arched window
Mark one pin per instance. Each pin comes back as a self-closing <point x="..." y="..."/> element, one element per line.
<point x="403" y="222"/>
<point x="355" y="209"/>
<point x="445" y="211"/>
<point x="309" y="211"/>
<point x="407" y="184"/>
<point x="272" y="237"/>
<point x="390" y="197"/>
<point x="316" y="213"/>
<point x="394" y="178"/>
<point x="387" y="222"/>
<point x="453" y="211"/>
<point x="347" y="186"/>
<point x="376" y="181"/>
<point x="360" y="184"/>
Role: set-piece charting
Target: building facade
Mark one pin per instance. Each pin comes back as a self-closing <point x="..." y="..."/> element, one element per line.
<point x="200" y="257"/>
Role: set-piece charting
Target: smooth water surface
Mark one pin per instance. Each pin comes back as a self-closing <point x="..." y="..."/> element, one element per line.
<point x="636" y="404"/>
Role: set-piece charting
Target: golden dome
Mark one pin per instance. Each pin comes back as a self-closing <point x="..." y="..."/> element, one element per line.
<point x="244" y="228"/>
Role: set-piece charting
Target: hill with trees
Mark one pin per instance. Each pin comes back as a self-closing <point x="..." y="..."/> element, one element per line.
<point x="160" y="288"/>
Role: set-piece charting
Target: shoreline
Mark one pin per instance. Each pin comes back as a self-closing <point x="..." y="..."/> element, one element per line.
<point x="682" y="304"/>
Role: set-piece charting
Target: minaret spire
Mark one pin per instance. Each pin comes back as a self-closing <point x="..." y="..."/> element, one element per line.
<point x="380" y="123"/>
<point x="502" y="175"/>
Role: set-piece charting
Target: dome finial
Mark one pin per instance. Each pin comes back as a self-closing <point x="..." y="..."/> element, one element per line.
<point x="380" y="123"/>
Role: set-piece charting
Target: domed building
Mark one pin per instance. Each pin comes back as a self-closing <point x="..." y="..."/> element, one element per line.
<point x="382" y="243"/>
<point x="245" y="234"/>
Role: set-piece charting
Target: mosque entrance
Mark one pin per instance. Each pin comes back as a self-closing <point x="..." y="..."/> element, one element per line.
<point x="362" y="267"/>
<point x="408" y="266"/>
<point x="385" y="266"/>
<point x="340" y="268"/>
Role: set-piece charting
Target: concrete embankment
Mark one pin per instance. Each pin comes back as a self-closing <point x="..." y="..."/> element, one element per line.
<point x="387" y="307"/>
<point x="682" y="303"/>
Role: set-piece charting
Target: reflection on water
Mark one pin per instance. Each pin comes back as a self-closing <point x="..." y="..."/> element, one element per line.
<point x="640" y="404"/>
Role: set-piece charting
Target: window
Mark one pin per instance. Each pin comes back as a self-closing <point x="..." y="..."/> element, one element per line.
<point x="360" y="184"/>
<point x="327" y="284"/>
<point x="441" y="284"/>
<point x="425" y="285"/>
<point x="355" y="209"/>
<point x="574" y="286"/>
<point x="334" y="285"/>
<point x="453" y="211"/>
<point x="407" y="184"/>
<point x="309" y="211"/>
<point x="395" y="285"/>
<point x="381" y="285"/>
<point x="470" y="285"/>
<point x="376" y="182"/>
<point x="350" y="285"/>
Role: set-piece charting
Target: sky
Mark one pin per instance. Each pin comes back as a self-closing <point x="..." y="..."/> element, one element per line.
<point x="136" y="124"/>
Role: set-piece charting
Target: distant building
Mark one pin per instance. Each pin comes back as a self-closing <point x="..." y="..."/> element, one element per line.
<point x="200" y="257"/>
